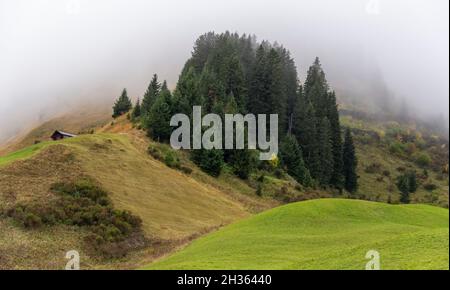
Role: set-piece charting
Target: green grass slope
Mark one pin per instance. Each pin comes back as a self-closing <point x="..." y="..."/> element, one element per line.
<point x="324" y="234"/>
<point x="22" y="154"/>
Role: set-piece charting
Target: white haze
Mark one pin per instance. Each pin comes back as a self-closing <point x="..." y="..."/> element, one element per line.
<point x="55" y="54"/>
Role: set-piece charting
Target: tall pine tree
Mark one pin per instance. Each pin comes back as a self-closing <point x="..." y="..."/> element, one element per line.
<point x="158" y="121"/>
<point x="292" y="158"/>
<point x="350" y="163"/>
<point x="122" y="105"/>
<point x="136" y="110"/>
<point x="324" y="171"/>
<point x="304" y="129"/>
<point x="150" y="95"/>
<point x="337" y="178"/>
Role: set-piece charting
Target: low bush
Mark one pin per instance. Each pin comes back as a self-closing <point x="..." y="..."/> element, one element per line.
<point x="423" y="159"/>
<point x="81" y="204"/>
<point x="185" y="169"/>
<point x="386" y="173"/>
<point x="279" y="173"/>
<point x="397" y="148"/>
<point x="373" y="168"/>
<point x="430" y="186"/>
<point x="171" y="160"/>
<point x="155" y="153"/>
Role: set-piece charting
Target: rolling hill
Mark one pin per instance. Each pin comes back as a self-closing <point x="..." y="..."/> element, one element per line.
<point x="177" y="208"/>
<point x="173" y="206"/>
<point x="324" y="234"/>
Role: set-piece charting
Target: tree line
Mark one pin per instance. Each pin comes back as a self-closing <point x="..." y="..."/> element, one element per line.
<point x="230" y="74"/>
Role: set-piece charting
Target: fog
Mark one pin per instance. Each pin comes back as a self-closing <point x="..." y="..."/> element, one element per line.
<point x="56" y="54"/>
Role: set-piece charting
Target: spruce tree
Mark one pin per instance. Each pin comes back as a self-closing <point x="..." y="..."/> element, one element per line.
<point x="277" y="99"/>
<point x="122" y="105"/>
<point x="210" y="161"/>
<point x="407" y="184"/>
<point x="259" y="102"/>
<point x="292" y="158"/>
<point x="158" y="120"/>
<point x="413" y="185"/>
<point x="350" y="163"/>
<point x="242" y="161"/>
<point x="187" y="93"/>
<point x="150" y="95"/>
<point x="136" y="110"/>
<point x="234" y="81"/>
<point x="324" y="170"/>
<point x="304" y="129"/>
<point x="337" y="179"/>
<point x="403" y="186"/>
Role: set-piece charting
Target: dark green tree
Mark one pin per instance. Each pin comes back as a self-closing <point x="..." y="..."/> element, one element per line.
<point x="324" y="153"/>
<point x="337" y="178"/>
<point x="150" y="95"/>
<point x="210" y="161"/>
<point x="316" y="89"/>
<point x="304" y="129"/>
<point x="403" y="186"/>
<point x="187" y="93"/>
<point x="292" y="159"/>
<point x="259" y="102"/>
<point x="122" y="105"/>
<point x="242" y="161"/>
<point x="158" y="120"/>
<point x="350" y="163"/>
<point x="407" y="184"/>
<point x="413" y="185"/>
<point x="136" y="110"/>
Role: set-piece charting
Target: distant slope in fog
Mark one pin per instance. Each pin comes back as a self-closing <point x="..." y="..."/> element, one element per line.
<point x="79" y="120"/>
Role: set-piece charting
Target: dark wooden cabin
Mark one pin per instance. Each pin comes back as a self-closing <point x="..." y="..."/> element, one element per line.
<point x="58" y="135"/>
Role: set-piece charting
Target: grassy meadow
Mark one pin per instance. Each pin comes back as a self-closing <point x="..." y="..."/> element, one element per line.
<point x="324" y="234"/>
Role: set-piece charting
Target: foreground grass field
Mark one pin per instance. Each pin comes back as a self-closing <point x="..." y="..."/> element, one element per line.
<point x="324" y="234"/>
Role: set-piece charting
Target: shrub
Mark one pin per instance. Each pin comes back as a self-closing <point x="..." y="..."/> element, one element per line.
<point x="81" y="204"/>
<point x="430" y="187"/>
<point x="185" y="169"/>
<point x="171" y="160"/>
<point x="423" y="159"/>
<point x="386" y="173"/>
<point x="261" y="178"/>
<point x="155" y="153"/>
<point x="25" y="217"/>
<point x="32" y="221"/>
<point x="411" y="148"/>
<point x="279" y="173"/>
<point x="210" y="161"/>
<point x="373" y="168"/>
<point x="259" y="190"/>
<point x="397" y="148"/>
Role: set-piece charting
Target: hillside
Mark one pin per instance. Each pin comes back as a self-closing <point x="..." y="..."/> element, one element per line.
<point x="387" y="149"/>
<point x="117" y="157"/>
<point x="82" y="119"/>
<point x="324" y="234"/>
<point x="134" y="180"/>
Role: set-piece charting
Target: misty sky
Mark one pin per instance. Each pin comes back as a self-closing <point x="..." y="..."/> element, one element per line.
<point x="56" y="53"/>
